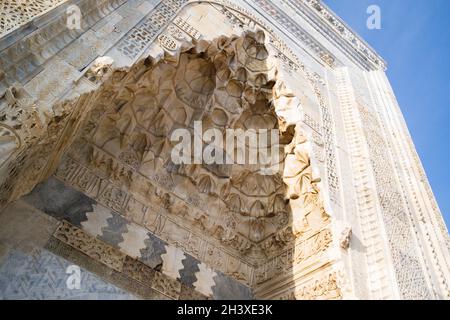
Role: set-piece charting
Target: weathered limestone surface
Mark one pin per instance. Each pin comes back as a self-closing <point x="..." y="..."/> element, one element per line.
<point x="86" y="117"/>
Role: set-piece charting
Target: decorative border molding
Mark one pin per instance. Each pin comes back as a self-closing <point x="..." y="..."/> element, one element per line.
<point x="15" y="13"/>
<point x="327" y="21"/>
<point x="410" y="275"/>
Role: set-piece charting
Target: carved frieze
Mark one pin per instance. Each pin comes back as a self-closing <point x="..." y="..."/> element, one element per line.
<point x="235" y="217"/>
<point x="92" y="247"/>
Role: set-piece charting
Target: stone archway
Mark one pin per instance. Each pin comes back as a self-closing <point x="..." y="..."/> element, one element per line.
<point x="226" y="84"/>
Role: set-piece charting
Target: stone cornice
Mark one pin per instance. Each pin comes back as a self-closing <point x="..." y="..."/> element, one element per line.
<point x="319" y="13"/>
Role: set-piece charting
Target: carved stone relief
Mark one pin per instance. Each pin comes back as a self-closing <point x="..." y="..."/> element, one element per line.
<point x="117" y="138"/>
<point x="15" y="13"/>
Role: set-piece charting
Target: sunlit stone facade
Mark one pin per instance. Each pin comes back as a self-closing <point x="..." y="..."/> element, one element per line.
<point x="91" y="92"/>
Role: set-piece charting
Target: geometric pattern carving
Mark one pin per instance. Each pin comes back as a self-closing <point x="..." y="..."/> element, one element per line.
<point x="96" y="220"/>
<point x="43" y="276"/>
<point x="92" y="247"/>
<point x="186" y="27"/>
<point x="172" y="261"/>
<point x="14" y="13"/>
<point x="297" y="31"/>
<point x="310" y="247"/>
<point x="410" y="276"/>
<point x="205" y="280"/>
<point x="131" y="144"/>
<point x="152" y="220"/>
<point x="142" y="35"/>
<point x="329" y="143"/>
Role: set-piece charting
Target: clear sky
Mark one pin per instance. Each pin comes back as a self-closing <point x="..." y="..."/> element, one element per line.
<point x="414" y="40"/>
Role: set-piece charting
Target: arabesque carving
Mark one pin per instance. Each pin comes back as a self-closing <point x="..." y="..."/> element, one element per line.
<point x="342" y="210"/>
<point x="121" y="131"/>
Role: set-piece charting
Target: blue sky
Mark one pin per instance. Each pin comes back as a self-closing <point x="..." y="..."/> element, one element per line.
<point x="415" y="42"/>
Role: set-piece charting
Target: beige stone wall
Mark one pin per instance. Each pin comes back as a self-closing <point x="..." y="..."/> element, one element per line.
<point x="95" y="107"/>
